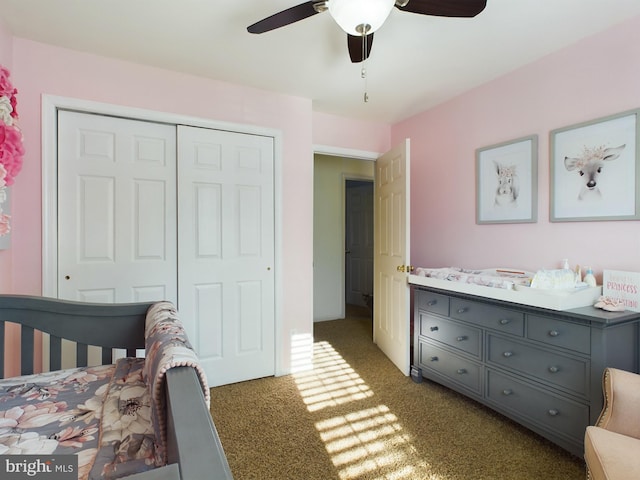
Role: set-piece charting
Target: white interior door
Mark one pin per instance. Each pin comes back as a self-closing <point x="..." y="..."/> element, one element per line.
<point x="359" y="241"/>
<point x="116" y="209"/>
<point x="226" y="237"/>
<point x="391" y="239"/>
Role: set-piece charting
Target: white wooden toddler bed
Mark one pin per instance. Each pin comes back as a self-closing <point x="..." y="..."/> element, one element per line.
<point x="139" y="418"/>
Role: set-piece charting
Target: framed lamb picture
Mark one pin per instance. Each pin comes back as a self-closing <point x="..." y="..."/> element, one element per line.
<point x="594" y="170"/>
<point x="507" y="181"/>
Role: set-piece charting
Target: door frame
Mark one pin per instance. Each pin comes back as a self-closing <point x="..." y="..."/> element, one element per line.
<point x="49" y="109"/>
<point x="352" y="154"/>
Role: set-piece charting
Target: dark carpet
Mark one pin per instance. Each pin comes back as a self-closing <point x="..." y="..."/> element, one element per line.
<point x="355" y="416"/>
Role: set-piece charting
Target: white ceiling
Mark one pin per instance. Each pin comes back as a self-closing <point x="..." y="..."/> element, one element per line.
<point x="416" y="62"/>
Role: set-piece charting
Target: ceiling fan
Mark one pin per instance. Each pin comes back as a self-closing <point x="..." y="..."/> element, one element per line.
<point x="361" y="18"/>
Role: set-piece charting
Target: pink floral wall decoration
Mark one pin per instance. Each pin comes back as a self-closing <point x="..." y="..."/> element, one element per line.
<point x="11" y="148"/>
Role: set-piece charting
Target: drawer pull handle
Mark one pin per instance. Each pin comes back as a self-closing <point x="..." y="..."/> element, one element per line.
<point x="462" y="310"/>
<point x="461" y="371"/>
<point x="431" y="303"/>
<point x="433" y="329"/>
<point x="554" y="369"/>
<point x="507" y="354"/>
<point x="434" y="359"/>
<point x="553" y="333"/>
<point x="461" y="338"/>
<point x="553" y="412"/>
<point x="504" y="321"/>
<point x="507" y="391"/>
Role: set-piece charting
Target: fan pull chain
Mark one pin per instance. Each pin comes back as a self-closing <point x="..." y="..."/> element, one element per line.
<point x="363" y="71"/>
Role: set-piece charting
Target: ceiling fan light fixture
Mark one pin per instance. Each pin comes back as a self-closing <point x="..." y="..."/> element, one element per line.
<point x="360" y="17"/>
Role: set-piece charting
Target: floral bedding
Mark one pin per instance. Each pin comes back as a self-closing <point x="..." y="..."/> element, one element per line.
<point x="111" y="416"/>
<point x="167" y="346"/>
<point x="102" y="414"/>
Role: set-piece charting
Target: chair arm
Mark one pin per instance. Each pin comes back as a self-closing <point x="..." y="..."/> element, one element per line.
<point x="621" y="400"/>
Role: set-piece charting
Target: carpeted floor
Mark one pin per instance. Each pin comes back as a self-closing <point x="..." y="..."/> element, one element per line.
<point x="355" y="416"/>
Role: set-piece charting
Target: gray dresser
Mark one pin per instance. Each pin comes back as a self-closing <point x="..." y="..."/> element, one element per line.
<point x="539" y="367"/>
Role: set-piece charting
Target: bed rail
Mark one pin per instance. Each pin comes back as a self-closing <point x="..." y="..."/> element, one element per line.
<point x="194" y="449"/>
<point x="107" y="326"/>
<point x="185" y="444"/>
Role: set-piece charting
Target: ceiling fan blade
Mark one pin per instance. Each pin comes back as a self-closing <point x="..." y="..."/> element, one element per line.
<point x="285" y="17"/>
<point x="445" y="8"/>
<point x="355" y="44"/>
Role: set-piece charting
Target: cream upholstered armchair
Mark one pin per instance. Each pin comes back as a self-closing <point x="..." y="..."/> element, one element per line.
<point x="612" y="446"/>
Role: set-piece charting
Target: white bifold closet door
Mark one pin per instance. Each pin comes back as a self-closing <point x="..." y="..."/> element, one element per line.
<point x="150" y="211"/>
<point x="226" y="239"/>
<point x="116" y="209"/>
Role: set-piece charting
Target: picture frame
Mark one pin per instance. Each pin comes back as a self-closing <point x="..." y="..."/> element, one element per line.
<point x="507" y="182"/>
<point x="594" y="170"/>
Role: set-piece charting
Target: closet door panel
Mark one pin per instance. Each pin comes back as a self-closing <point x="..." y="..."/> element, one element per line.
<point x="116" y="209"/>
<point x="226" y="238"/>
<point x="208" y="220"/>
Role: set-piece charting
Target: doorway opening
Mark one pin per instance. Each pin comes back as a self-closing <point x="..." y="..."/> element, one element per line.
<point x="332" y="173"/>
<point x="391" y="172"/>
<point x="359" y="247"/>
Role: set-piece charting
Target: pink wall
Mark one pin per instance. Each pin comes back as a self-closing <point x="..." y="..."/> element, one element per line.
<point x="40" y="69"/>
<point x="6" y="59"/>
<point x="6" y="45"/>
<point x="334" y="131"/>
<point x="12" y="333"/>
<point x="596" y="77"/>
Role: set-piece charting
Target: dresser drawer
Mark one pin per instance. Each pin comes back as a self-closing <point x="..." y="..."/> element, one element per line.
<point x="489" y="316"/>
<point x="559" y="333"/>
<point x="432" y="302"/>
<point x="459" y="370"/>
<point x="459" y="336"/>
<point x="554" y="369"/>
<point x="547" y="409"/>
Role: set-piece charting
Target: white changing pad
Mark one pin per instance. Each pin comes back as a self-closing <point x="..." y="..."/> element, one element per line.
<point x="490" y="277"/>
<point x="512" y="286"/>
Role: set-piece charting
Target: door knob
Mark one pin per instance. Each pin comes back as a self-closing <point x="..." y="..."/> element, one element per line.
<point x="405" y="268"/>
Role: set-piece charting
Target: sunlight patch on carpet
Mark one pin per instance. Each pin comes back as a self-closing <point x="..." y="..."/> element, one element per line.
<point x="332" y="381"/>
<point x="366" y="442"/>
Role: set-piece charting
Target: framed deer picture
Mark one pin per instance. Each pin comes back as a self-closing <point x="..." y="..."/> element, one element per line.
<point x="594" y="170"/>
<point x="507" y="181"/>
